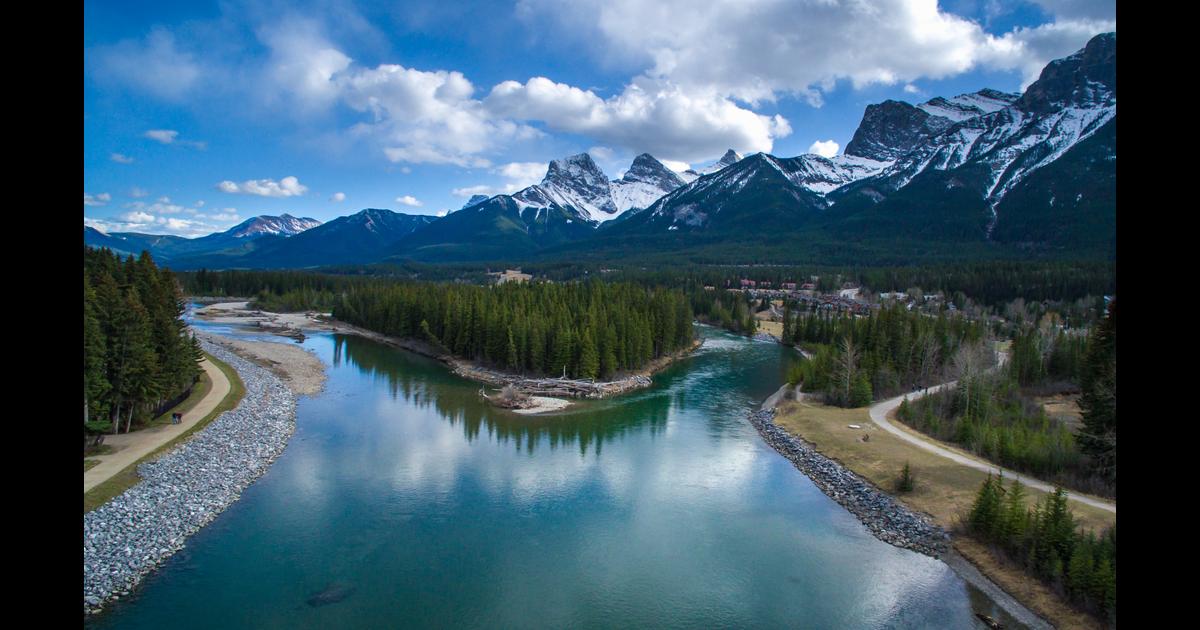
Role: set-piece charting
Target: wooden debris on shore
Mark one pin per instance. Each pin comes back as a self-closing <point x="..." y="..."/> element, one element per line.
<point x="508" y="397"/>
<point x="553" y="387"/>
<point x="285" y="330"/>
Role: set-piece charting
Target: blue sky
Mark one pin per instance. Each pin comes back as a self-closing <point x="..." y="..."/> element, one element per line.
<point x="198" y="117"/>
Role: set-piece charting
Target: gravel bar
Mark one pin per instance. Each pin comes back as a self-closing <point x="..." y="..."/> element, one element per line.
<point x="185" y="489"/>
<point x="887" y="519"/>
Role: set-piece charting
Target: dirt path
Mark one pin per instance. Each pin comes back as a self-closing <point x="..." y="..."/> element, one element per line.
<point x="134" y="446"/>
<point x="879" y="415"/>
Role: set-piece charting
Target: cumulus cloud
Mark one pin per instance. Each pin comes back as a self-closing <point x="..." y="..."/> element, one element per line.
<point x="302" y="63"/>
<point x="120" y="158"/>
<point x="824" y="148"/>
<point x="226" y="214"/>
<point x="518" y="175"/>
<point x="96" y="200"/>
<point x="409" y="200"/>
<point x="338" y="197"/>
<point x="136" y="192"/>
<point x="660" y="118"/>
<point x="749" y="51"/>
<point x="430" y="117"/>
<point x="287" y="187"/>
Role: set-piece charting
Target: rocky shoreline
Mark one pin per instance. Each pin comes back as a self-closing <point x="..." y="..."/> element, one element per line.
<point x="887" y="519"/>
<point x="185" y="489"/>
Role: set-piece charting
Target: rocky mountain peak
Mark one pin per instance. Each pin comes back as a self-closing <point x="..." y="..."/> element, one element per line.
<point x="575" y="170"/>
<point x="474" y="200"/>
<point x="285" y="224"/>
<point x="892" y="128"/>
<point x="1087" y="78"/>
<point x="649" y="170"/>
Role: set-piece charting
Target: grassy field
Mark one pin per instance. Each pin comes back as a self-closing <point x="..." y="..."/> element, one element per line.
<point x="125" y="479"/>
<point x="944" y="490"/>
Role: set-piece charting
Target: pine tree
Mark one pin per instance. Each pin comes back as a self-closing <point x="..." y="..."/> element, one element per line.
<point x="1098" y="400"/>
<point x="589" y="358"/>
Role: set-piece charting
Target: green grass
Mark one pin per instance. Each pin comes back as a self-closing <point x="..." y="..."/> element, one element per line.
<point x="89" y="464"/>
<point x="128" y="477"/>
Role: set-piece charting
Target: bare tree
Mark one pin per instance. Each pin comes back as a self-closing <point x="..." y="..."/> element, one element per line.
<point x="847" y="365"/>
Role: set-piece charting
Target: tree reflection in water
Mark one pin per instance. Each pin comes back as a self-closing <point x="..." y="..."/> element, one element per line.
<point x="425" y="382"/>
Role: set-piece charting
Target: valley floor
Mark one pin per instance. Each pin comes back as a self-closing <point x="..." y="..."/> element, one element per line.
<point x="945" y="490"/>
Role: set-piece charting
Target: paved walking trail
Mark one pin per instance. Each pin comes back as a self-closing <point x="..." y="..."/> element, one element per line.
<point x="880" y="411"/>
<point x="134" y="446"/>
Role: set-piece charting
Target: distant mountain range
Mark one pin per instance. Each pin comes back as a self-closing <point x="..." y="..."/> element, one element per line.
<point x="993" y="172"/>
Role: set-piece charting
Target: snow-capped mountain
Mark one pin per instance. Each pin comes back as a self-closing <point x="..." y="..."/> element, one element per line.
<point x="644" y="183"/>
<point x="934" y="171"/>
<point x="1072" y="99"/>
<point x="730" y="158"/>
<point x="284" y="225"/>
<point x="578" y="185"/>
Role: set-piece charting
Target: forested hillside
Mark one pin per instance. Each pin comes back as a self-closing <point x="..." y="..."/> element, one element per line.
<point x="137" y="354"/>
<point x="585" y="330"/>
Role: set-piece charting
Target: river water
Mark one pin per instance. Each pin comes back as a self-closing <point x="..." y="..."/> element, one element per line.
<point x="402" y="500"/>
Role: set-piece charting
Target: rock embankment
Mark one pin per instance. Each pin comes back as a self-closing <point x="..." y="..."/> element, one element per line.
<point x="182" y="491"/>
<point x="887" y="519"/>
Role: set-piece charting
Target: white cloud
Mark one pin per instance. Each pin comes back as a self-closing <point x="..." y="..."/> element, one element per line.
<point x="753" y="51"/>
<point x="121" y="159"/>
<point x="162" y="206"/>
<point x="678" y="167"/>
<point x="165" y="136"/>
<point x="660" y="118"/>
<point x="137" y="216"/>
<point x="170" y="136"/>
<point x="409" y="200"/>
<point x="518" y="175"/>
<point x="338" y="197"/>
<point x="824" y="148"/>
<point x="136" y="192"/>
<point x="226" y="214"/>
<point x="96" y="200"/>
<point x="154" y="65"/>
<point x="287" y="187"/>
<point x="302" y="64"/>
<point x="430" y="117"/>
<point x="909" y="88"/>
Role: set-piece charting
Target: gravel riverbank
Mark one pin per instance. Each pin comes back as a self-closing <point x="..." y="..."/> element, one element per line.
<point x="185" y="489"/>
<point x="887" y="519"/>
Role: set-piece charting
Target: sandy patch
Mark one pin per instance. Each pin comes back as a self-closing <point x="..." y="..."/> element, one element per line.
<point x="543" y="404"/>
<point x="300" y="369"/>
<point x="284" y="324"/>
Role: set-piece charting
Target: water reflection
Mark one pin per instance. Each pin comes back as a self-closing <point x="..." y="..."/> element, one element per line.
<point x="425" y="383"/>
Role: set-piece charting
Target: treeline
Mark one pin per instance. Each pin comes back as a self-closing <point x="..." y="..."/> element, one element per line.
<point x="730" y="310"/>
<point x="993" y="283"/>
<point x="994" y="414"/>
<point x="855" y="360"/>
<point x="248" y="283"/>
<point x="1045" y="541"/>
<point x="137" y="355"/>
<point x="587" y="330"/>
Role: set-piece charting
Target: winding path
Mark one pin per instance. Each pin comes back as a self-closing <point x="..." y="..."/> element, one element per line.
<point x="136" y="445"/>
<point x="879" y="415"/>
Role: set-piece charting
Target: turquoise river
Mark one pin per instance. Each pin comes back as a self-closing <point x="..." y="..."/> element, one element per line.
<point x="403" y="500"/>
